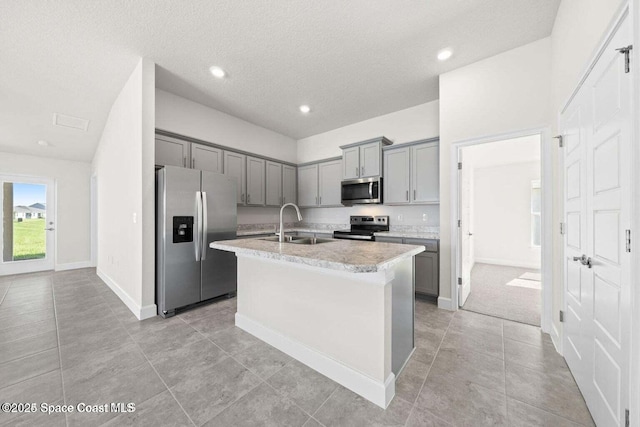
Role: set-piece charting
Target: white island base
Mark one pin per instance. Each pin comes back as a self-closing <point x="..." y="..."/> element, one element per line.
<point x="355" y="328"/>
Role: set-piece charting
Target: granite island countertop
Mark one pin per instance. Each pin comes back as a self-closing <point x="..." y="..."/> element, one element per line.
<point x="343" y="255"/>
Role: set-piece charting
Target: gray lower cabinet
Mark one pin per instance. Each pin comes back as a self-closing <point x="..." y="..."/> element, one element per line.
<point x="426" y="267"/>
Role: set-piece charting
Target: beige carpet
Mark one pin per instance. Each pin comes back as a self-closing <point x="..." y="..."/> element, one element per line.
<point x="491" y="294"/>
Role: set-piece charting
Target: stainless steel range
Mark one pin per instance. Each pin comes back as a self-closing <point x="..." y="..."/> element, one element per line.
<point x="363" y="228"/>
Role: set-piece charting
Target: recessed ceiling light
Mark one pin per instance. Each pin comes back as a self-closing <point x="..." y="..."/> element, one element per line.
<point x="217" y="72"/>
<point x="43" y="143"/>
<point x="305" y="109"/>
<point x="445" y="54"/>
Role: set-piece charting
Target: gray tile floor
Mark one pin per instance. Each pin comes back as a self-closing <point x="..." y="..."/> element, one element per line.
<point x="490" y="294"/>
<point x="66" y="338"/>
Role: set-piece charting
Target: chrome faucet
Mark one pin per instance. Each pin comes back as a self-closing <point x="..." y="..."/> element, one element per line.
<point x="281" y="234"/>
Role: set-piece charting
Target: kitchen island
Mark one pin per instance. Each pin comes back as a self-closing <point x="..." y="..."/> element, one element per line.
<point x="342" y="307"/>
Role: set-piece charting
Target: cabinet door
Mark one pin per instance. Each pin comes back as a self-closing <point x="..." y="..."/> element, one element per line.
<point x="289" y="184"/>
<point x="273" y="184"/>
<point x="397" y="176"/>
<point x="370" y="161"/>
<point x="206" y="158"/>
<point x="172" y="152"/>
<point x="255" y="181"/>
<point x="329" y="183"/>
<point x="425" y="168"/>
<point x="308" y="185"/>
<point x="426" y="273"/>
<point x="351" y="163"/>
<point x="235" y="165"/>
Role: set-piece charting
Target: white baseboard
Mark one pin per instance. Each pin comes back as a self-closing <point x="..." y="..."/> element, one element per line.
<point x="555" y="338"/>
<point x="508" y="263"/>
<point x="374" y="391"/>
<point x="141" y="313"/>
<point x="73" y="265"/>
<point x="446" y="304"/>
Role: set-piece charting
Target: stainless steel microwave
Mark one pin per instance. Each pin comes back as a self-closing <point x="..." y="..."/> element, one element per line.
<point x="362" y="191"/>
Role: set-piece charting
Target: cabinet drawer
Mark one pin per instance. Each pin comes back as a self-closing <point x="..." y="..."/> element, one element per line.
<point x="389" y="239"/>
<point x="429" y="244"/>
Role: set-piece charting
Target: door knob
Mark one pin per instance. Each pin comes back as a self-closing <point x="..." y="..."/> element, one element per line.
<point x="470" y="234"/>
<point x="50" y="229"/>
<point x="584" y="260"/>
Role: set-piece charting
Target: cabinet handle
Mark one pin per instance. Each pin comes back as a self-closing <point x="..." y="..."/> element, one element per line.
<point x="362" y="171"/>
<point x="320" y="200"/>
<point x="184" y="161"/>
<point x="193" y="163"/>
<point x="414" y="194"/>
<point x="242" y="197"/>
<point x="248" y="198"/>
<point x="407" y="195"/>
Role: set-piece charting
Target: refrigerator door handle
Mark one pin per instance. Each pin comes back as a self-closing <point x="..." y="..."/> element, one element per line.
<point x="204" y="225"/>
<point x="198" y="232"/>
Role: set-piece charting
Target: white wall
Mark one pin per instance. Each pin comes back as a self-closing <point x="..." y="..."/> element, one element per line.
<point x="419" y="122"/>
<point x="505" y="93"/>
<point x="73" y="208"/>
<point x="502" y="215"/>
<point x="123" y="164"/>
<point x="185" y="117"/>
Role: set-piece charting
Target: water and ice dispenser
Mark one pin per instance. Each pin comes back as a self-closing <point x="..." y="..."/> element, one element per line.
<point x="182" y="229"/>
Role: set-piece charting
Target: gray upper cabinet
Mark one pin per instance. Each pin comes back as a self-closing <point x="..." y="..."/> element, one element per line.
<point x="425" y="173"/>
<point x="235" y="165"/>
<point x="289" y="184"/>
<point x="172" y="152"/>
<point x="370" y="159"/>
<point x="308" y="185"/>
<point x="206" y="158"/>
<point x="411" y="173"/>
<point x="397" y="176"/>
<point x="351" y="163"/>
<point x="273" y="184"/>
<point x="255" y="181"/>
<point x="363" y="159"/>
<point x="329" y="183"/>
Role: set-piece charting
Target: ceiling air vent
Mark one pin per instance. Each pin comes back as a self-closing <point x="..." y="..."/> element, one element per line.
<point x="70" y="122"/>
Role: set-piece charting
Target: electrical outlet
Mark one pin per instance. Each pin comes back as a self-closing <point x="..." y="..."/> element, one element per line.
<point x="400" y="218"/>
<point x="424" y="217"/>
<point x="135" y="217"/>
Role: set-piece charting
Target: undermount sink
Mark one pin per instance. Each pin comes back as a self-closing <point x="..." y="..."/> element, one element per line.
<point x="310" y="241"/>
<point x="298" y="240"/>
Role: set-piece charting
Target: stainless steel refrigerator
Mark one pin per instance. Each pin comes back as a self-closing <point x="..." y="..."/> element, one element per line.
<point x="193" y="209"/>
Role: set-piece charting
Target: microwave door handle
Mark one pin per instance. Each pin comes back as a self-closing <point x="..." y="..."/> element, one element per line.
<point x="371" y="190"/>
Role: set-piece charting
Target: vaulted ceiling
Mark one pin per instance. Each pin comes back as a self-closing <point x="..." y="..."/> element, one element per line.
<point x="349" y="60"/>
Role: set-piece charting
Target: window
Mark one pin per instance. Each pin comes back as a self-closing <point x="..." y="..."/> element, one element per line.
<point x="536" y="219"/>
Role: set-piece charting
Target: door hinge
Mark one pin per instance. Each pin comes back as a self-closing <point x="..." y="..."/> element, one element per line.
<point x="560" y="140"/>
<point x="561" y="316"/>
<point x="627" y="60"/>
<point x="459" y="165"/>
<point x="628" y="240"/>
<point x="562" y="230"/>
<point x="459" y="280"/>
<point x="626" y="418"/>
<point x="459" y="223"/>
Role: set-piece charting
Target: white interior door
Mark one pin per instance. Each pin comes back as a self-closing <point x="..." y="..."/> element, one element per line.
<point x="596" y="128"/>
<point x="464" y="232"/>
<point x="28" y="224"/>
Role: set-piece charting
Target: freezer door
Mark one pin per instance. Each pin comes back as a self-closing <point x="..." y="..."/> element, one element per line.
<point x="220" y="219"/>
<point x="178" y="240"/>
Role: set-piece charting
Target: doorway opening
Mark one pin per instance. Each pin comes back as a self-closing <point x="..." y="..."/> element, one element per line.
<point x="500" y="239"/>
<point x="27" y="235"/>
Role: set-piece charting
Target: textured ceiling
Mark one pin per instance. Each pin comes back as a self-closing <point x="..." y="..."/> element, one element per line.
<point x="349" y="60"/>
